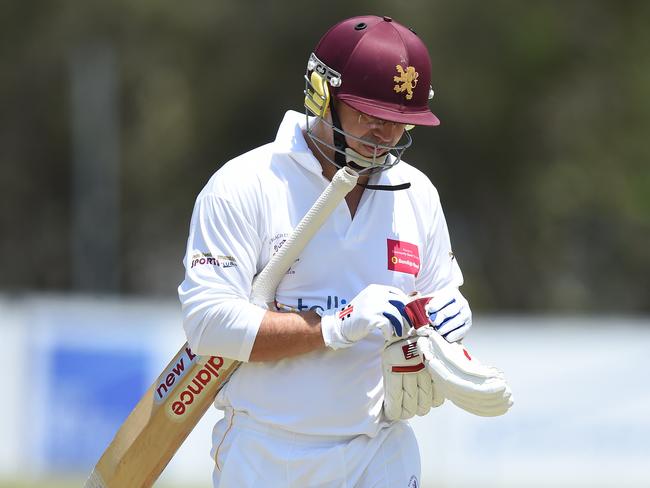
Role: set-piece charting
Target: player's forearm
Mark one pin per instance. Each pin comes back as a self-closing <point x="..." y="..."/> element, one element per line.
<point x="284" y="335"/>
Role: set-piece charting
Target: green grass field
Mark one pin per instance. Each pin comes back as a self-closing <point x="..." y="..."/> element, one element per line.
<point x="57" y="483"/>
<point x="70" y="483"/>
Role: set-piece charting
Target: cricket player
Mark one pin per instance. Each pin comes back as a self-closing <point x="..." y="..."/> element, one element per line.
<point x="308" y="407"/>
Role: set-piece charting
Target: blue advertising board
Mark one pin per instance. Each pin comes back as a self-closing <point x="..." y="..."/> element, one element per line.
<point x="91" y="392"/>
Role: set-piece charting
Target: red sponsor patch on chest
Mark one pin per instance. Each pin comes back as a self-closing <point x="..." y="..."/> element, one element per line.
<point x="403" y="257"/>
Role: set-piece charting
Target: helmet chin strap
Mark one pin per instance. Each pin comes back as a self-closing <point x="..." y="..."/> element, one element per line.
<point x="346" y="156"/>
<point x="401" y="186"/>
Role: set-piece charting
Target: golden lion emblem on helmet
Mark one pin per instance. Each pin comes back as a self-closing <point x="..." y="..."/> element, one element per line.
<point x="406" y="81"/>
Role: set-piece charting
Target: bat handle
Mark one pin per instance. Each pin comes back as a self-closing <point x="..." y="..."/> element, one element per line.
<point x="265" y="284"/>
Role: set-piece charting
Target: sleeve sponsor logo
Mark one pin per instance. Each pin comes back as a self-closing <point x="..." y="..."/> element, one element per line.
<point x="403" y="257"/>
<point x="207" y="259"/>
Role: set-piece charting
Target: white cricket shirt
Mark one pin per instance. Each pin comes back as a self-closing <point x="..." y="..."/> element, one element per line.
<point x="242" y="216"/>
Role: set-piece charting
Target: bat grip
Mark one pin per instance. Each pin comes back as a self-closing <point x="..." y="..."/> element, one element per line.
<point x="265" y="284"/>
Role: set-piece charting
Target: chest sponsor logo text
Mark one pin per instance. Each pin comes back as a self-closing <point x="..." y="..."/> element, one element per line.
<point x="403" y="257"/>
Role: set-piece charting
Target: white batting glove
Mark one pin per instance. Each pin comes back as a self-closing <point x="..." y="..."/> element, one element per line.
<point x="463" y="379"/>
<point x="408" y="386"/>
<point x="445" y="311"/>
<point x="375" y="307"/>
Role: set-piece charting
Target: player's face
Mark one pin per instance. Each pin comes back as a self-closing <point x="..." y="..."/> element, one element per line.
<point x="369" y="128"/>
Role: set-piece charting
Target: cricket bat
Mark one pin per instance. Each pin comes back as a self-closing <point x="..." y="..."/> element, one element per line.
<point x="173" y="405"/>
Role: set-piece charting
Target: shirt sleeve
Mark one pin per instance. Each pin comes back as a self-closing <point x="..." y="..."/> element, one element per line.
<point x="220" y="263"/>
<point x="440" y="268"/>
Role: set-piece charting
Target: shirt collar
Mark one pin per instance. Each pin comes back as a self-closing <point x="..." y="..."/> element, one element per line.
<point x="290" y="140"/>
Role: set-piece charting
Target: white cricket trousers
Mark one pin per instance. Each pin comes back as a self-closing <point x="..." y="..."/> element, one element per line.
<point x="249" y="454"/>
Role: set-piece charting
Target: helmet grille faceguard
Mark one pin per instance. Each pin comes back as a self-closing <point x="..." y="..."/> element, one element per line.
<point x="318" y="78"/>
<point x="384" y="157"/>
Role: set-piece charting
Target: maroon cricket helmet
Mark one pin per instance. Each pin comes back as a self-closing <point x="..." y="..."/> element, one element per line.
<point x="385" y="69"/>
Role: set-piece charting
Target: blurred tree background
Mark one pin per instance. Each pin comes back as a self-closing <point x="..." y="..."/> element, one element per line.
<point x="542" y="159"/>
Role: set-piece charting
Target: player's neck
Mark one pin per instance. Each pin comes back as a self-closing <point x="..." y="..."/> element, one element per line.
<point x="329" y="169"/>
<point x="325" y="156"/>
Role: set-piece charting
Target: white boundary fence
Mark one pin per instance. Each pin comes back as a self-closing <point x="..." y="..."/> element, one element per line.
<point x="73" y="367"/>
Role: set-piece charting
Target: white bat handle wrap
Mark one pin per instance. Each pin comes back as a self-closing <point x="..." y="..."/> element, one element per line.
<point x="267" y="281"/>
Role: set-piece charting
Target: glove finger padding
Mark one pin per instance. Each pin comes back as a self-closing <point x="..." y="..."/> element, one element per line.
<point x="472" y="386"/>
<point x="452" y="322"/>
<point x="408" y="387"/>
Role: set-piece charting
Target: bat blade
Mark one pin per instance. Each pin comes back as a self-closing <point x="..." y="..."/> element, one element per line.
<point x="161" y="421"/>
